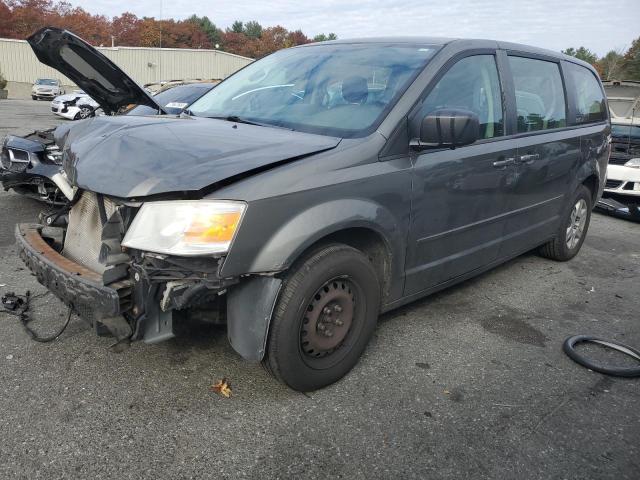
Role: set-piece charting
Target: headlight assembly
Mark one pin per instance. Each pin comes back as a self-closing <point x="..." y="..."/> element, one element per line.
<point x="185" y="228"/>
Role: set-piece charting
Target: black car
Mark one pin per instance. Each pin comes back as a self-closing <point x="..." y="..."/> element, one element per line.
<point x="316" y="188"/>
<point x="29" y="163"/>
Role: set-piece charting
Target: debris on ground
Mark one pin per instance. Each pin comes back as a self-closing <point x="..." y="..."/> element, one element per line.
<point x="222" y="387"/>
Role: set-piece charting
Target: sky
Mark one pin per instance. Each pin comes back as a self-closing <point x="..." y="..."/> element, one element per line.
<point x="600" y="25"/>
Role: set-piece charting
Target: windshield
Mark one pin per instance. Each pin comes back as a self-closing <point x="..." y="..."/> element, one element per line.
<point x="626" y="131"/>
<point x="46" y="81"/>
<point x="174" y="100"/>
<point x="340" y="90"/>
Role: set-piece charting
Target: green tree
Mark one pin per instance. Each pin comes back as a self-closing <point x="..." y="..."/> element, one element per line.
<point x="208" y="27"/>
<point x="323" y="38"/>
<point x="583" y="54"/>
<point x="253" y="29"/>
<point x="631" y="63"/>
<point x="237" y="27"/>
<point x="3" y="81"/>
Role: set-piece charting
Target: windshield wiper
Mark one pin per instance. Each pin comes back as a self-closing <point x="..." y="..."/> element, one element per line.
<point x="237" y="119"/>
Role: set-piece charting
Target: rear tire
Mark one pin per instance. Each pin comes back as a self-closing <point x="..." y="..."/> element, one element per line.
<point x="33" y="97"/>
<point x="572" y="230"/>
<point x="324" y="317"/>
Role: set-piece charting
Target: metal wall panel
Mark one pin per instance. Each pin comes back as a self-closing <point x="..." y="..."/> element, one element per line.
<point x="144" y="65"/>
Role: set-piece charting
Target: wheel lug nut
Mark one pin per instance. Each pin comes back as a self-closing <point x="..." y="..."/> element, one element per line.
<point x="337" y="308"/>
<point x="326" y="311"/>
<point x="321" y="326"/>
<point x="328" y="333"/>
<point x="337" y="322"/>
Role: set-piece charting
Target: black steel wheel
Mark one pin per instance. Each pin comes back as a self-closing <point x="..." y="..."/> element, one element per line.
<point x="324" y="318"/>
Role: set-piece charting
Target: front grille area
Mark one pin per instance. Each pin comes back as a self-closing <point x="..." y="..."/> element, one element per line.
<point x="14" y="160"/>
<point x="84" y="234"/>
<point x="612" y="184"/>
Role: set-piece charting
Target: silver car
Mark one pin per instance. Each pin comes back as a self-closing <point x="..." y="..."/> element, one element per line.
<point x="46" y="88"/>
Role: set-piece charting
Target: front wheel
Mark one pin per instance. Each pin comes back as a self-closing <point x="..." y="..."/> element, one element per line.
<point x="573" y="228"/>
<point x="325" y="315"/>
<point x="85" y="112"/>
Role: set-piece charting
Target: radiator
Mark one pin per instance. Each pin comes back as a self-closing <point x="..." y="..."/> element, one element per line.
<point x="84" y="233"/>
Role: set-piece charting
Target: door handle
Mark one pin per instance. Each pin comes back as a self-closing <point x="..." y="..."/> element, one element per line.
<point x="504" y="163"/>
<point x="530" y="158"/>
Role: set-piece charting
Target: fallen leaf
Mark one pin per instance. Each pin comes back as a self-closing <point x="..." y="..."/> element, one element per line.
<point x="447" y="392"/>
<point x="222" y="387"/>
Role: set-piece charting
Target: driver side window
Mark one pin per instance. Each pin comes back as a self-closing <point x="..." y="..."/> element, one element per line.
<point x="471" y="84"/>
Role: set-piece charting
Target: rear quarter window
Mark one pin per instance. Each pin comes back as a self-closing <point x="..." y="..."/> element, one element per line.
<point x="589" y="98"/>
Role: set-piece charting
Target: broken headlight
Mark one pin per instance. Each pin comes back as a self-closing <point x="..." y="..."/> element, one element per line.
<point x="185" y="228"/>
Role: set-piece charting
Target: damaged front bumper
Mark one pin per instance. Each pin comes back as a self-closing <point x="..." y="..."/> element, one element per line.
<point x="75" y="285"/>
<point x="146" y="301"/>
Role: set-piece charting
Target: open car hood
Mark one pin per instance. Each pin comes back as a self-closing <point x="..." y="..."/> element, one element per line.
<point x="94" y="73"/>
<point x="134" y="157"/>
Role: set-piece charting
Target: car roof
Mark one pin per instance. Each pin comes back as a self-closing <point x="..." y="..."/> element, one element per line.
<point x="466" y="43"/>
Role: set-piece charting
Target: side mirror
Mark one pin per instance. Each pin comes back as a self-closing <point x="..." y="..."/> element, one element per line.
<point x="448" y="128"/>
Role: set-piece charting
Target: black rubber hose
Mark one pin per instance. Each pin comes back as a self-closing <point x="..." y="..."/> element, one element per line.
<point x="569" y="349"/>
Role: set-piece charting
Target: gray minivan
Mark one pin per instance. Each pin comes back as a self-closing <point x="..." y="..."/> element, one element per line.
<point x="315" y="189"/>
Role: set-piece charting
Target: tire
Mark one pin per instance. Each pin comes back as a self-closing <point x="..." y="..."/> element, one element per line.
<point x="566" y="244"/>
<point x="336" y="288"/>
<point x="569" y="349"/>
<point x="85" y="112"/>
<point x="33" y="97"/>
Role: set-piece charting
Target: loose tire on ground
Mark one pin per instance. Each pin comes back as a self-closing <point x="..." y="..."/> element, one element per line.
<point x="324" y="317"/>
<point x="572" y="230"/>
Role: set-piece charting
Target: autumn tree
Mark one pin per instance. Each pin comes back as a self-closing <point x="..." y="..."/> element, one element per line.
<point x="611" y="65"/>
<point x="20" y="18"/>
<point x="126" y="29"/>
<point x="212" y="32"/>
<point x="631" y="62"/>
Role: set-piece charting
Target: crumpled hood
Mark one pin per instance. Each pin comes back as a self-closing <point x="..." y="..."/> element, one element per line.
<point x="132" y="157"/>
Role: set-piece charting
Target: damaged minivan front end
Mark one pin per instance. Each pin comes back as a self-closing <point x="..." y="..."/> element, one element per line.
<point x="93" y="261"/>
<point x="140" y="240"/>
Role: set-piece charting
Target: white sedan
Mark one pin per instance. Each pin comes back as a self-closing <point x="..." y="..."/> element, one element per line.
<point x="74" y="106"/>
<point x="623" y="172"/>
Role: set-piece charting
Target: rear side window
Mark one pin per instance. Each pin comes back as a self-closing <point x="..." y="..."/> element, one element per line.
<point x="590" y="104"/>
<point x="471" y="84"/>
<point x="540" y="99"/>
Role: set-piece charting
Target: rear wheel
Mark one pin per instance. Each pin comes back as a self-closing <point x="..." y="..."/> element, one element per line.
<point x="573" y="228"/>
<point x="33" y="97"/>
<point x="324" y="318"/>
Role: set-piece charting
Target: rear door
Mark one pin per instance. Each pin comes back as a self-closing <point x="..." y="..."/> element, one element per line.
<point x="459" y="195"/>
<point x="548" y="152"/>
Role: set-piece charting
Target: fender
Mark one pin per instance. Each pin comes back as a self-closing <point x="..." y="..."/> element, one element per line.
<point x="285" y="244"/>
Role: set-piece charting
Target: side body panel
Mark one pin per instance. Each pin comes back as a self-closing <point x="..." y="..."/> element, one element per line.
<point x="458" y="212"/>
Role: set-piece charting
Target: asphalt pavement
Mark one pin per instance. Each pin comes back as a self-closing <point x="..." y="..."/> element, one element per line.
<point x="468" y="383"/>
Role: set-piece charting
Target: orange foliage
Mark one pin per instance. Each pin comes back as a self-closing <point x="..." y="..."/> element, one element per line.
<point x="20" y="18"/>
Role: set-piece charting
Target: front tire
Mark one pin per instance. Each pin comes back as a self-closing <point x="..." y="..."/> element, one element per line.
<point x="85" y="112"/>
<point x="324" y="317"/>
<point x="573" y="228"/>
